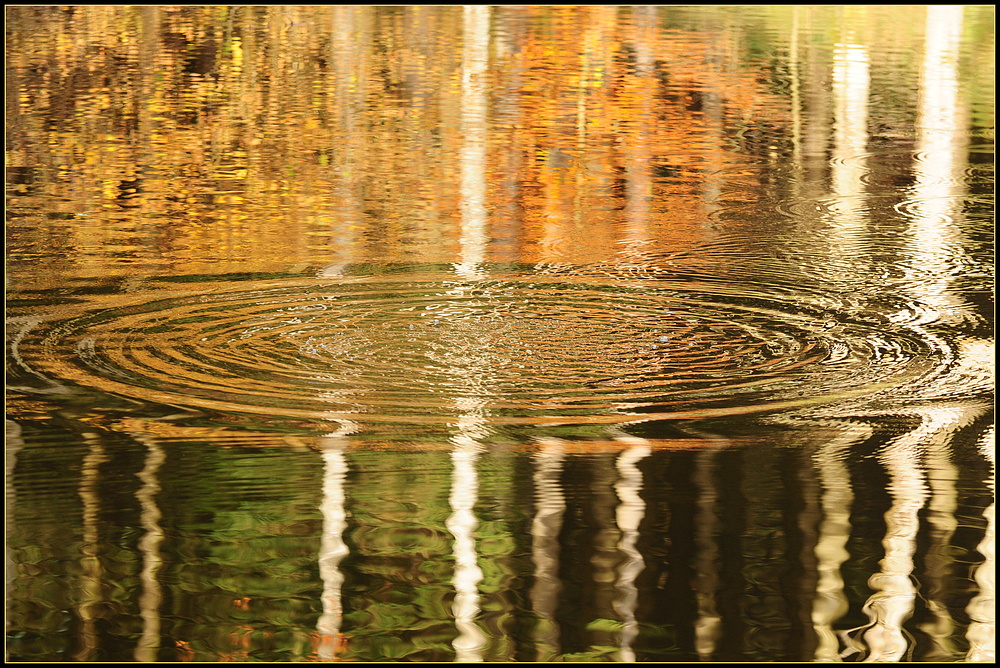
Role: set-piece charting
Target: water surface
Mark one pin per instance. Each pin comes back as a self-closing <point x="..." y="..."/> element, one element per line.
<point x="500" y="333"/>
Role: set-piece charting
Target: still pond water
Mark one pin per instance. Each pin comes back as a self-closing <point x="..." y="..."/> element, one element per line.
<point x="444" y="333"/>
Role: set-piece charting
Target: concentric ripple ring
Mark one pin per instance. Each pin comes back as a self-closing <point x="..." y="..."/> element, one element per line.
<point x="517" y="348"/>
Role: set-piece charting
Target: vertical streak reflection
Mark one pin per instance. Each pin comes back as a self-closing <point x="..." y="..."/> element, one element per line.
<point x="462" y="524"/>
<point x="349" y="45"/>
<point x="981" y="633"/>
<point x="895" y="592"/>
<point x="938" y="160"/>
<point x="851" y="84"/>
<point x="636" y="141"/>
<point x="149" y="546"/>
<point x="629" y="514"/>
<point x="708" y="626"/>
<point x="90" y="564"/>
<point x="475" y="58"/>
<point x="13" y="442"/>
<point x="892" y="603"/>
<point x="550" y="504"/>
<point x="333" y="549"/>
<point x="830" y="603"/>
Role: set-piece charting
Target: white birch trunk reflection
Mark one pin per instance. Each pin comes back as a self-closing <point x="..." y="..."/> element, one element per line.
<point x="892" y="603"/>
<point x="550" y="505"/>
<point x="333" y="549"/>
<point x="830" y="601"/>
<point x="939" y="163"/>
<point x="462" y="524"/>
<point x="628" y="515"/>
<point x="981" y="633"/>
<point x="349" y="54"/>
<point x="149" y="546"/>
<point x="475" y="60"/>
<point x="637" y="152"/>
<point x="849" y="165"/>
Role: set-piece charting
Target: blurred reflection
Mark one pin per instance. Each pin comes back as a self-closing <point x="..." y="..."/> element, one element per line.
<point x="635" y="139"/>
<point x="830" y="602"/>
<point x="848" y="163"/>
<point x="149" y="546"/>
<point x="708" y="625"/>
<point x="628" y="515"/>
<point x="333" y="549"/>
<point x="550" y="504"/>
<point x="462" y="523"/>
<point x="350" y="43"/>
<point x="91" y="582"/>
<point x="12" y="445"/>
<point x="150" y="146"/>
<point x="981" y="609"/>
<point x="939" y="162"/>
<point x="475" y="55"/>
<point x="905" y="460"/>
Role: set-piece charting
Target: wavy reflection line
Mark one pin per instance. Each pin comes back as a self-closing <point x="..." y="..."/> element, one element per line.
<point x="350" y="45"/>
<point x="830" y="602"/>
<point x="550" y="506"/>
<point x="892" y="602"/>
<point x="851" y="83"/>
<point x="981" y="609"/>
<point x="938" y="163"/>
<point x="942" y="478"/>
<point x="462" y="524"/>
<point x="13" y="443"/>
<point x="475" y="59"/>
<point x="636" y="150"/>
<point x="708" y="625"/>
<point x="91" y="572"/>
<point x="333" y="549"/>
<point x="149" y="546"/>
<point x="628" y="515"/>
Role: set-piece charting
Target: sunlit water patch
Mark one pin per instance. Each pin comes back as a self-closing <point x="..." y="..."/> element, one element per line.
<point x="517" y="345"/>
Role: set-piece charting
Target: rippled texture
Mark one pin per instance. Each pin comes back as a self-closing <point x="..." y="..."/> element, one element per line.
<point x="500" y="333"/>
<point x="555" y="346"/>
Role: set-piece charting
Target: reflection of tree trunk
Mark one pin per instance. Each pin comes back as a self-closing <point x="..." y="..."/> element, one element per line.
<point x="462" y="523"/>
<point x="830" y="601"/>
<point x="475" y="54"/>
<point x="550" y="505"/>
<point x="149" y="546"/>
<point x="708" y="625"/>
<point x="807" y="522"/>
<point x="816" y="110"/>
<point x="939" y="164"/>
<point x="982" y="607"/>
<point x="12" y="445"/>
<point x="90" y="596"/>
<point x="349" y="56"/>
<point x="795" y="102"/>
<point x="895" y="593"/>
<point x="941" y="477"/>
<point x="333" y="549"/>
<point x="629" y="514"/>
<point x="849" y="165"/>
<point x="605" y="557"/>
<point x="637" y="152"/>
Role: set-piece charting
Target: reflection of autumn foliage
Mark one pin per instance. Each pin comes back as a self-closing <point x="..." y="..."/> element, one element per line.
<point x="240" y="138"/>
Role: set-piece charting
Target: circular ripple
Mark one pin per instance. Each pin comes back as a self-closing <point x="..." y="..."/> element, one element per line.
<point x="519" y="349"/>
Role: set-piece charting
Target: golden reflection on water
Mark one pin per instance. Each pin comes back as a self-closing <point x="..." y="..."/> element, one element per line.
<point x="154" y="141"/>
<point x="195" y="144"/>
